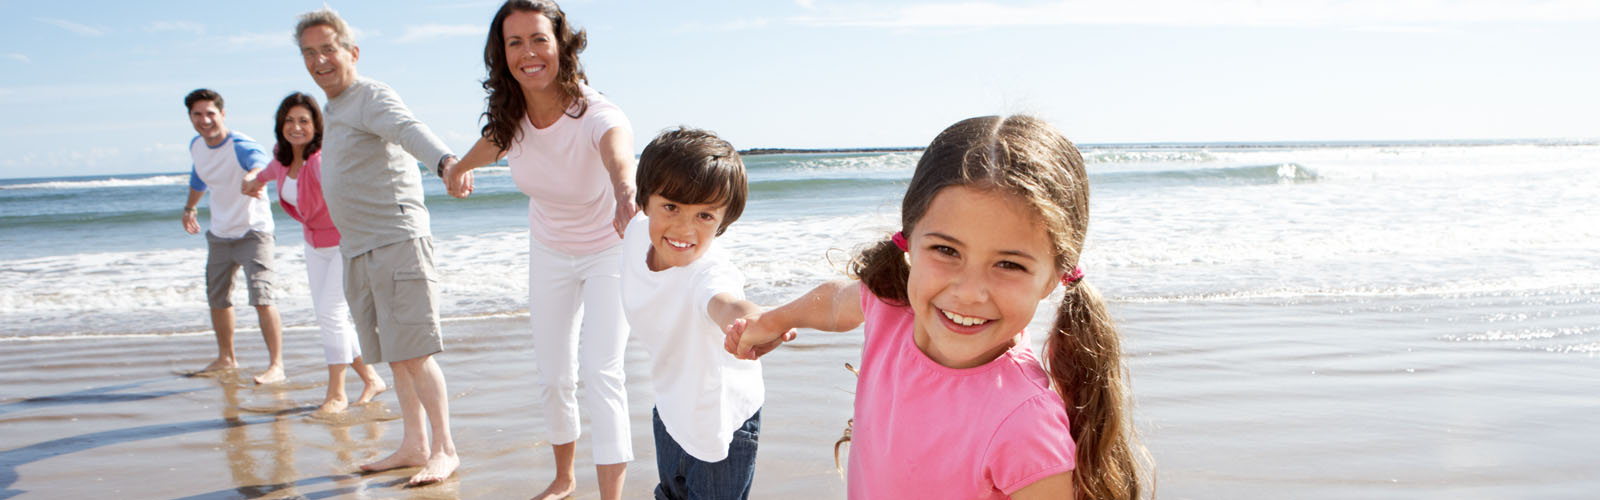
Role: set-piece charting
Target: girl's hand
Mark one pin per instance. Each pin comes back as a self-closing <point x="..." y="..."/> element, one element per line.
<point x="750" y="338"/>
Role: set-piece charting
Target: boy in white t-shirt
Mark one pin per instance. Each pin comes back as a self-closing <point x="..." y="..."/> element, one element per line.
<point x="678" y="292"/>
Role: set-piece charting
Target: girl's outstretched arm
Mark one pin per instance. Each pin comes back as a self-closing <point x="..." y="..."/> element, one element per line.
<point x="834" y="306"/>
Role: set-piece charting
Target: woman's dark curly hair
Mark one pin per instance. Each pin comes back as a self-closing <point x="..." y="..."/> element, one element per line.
<point x="283" y="152"/>
<point x="506" y="104"/>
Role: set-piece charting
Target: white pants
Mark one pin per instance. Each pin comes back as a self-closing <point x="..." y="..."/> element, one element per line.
<point x="561" y="288"/>
<point x="325" y="276"/>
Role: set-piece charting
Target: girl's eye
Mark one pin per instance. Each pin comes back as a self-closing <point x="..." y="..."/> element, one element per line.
<point x="1006" y="264"/>
<point x="945" y="250"/>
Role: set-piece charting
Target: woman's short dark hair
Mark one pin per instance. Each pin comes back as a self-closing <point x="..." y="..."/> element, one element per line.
<point x="690" y="165"/>
<point x="283" y="152"/>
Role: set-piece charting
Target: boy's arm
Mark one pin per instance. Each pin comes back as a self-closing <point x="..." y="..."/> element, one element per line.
<point x="834" y="306"/>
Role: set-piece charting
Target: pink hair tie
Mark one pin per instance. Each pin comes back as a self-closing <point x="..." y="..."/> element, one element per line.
<point x="1073" y="277"/>
<point x="900" y="241"/>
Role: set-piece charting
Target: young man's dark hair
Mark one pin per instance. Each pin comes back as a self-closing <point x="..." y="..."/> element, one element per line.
<point x="202" y="95"/>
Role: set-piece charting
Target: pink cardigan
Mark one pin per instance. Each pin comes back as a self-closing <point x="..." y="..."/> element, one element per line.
<point x="312" y="212"/>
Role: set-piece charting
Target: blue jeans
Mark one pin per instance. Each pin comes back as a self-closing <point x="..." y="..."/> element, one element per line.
<point x="684" y="477"/>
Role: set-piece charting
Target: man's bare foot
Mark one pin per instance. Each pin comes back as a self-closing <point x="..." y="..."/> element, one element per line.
<point x="439" y="468"/>
<point x="219" y="364"/>
<point x="273" y="375"/>
<point x="399" y="459"/>
<point x="558" y="489"/>
<point x="372" y="390"/>
<point x="332" y="406"/>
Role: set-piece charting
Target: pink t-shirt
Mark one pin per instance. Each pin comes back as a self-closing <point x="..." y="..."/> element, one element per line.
<point x="570" y="199"/>
<point x="923" y="430"/>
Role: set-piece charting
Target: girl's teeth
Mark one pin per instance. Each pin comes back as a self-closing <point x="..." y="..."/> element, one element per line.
<point x="963" y="320"/>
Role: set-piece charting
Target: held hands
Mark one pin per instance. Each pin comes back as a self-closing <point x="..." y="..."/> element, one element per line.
<point x="253" y="186"/>
<point x="749" y="338"/>
<point x="457" y="180"/>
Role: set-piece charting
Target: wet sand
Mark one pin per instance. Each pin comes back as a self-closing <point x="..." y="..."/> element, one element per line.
<point x="1333" y="397"/>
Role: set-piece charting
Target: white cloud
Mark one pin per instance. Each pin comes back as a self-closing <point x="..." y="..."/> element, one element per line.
<point x="1363" y="14"/>
<point x="72" y="26"/>
<point x="16" y="56"/>
<point x="432" y="31"/>
<point x="806" y="4"/>
<point x="179" y="26"/>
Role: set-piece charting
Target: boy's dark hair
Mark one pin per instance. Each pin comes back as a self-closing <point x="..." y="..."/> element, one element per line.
<point x="202" y="95"/>
<point x="690" y="165"/>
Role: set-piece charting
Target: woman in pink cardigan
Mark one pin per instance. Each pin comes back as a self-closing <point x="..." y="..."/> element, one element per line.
<point x="296" y="165"/>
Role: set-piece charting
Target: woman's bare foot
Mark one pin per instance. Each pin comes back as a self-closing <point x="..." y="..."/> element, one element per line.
<point x="372" y="390"/>
<point x="333" y="405"/>
<point x="399" y="459"/>
<point x="558" y="489"/>
<point x="439" y="468"/>
<point x="273" y="375"/>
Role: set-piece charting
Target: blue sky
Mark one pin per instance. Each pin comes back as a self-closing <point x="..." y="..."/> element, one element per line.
<point x="97" y="87"/>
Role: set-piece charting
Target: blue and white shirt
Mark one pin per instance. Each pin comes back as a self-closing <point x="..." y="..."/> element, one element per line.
<point x="232" y="213"/>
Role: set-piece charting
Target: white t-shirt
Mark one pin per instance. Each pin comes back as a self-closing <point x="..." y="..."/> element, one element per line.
<point x="703" y="393"/>
<point x="571" y="200"/>
<point x="224" y="166"/>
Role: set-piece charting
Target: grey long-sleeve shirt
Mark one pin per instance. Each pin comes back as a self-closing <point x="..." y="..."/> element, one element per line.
<point x="372" y="185"/>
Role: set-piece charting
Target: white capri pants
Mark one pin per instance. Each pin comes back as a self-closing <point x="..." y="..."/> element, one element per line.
<point x="561" y="288"/>
<point x="325" y="277"/>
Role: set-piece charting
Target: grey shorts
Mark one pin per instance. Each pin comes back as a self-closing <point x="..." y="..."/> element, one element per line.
<point x="393" y="292"/>
<point x="224" y="257"/>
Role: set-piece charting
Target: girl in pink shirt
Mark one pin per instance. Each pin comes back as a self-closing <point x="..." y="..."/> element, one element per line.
<point x="951" y="403"/>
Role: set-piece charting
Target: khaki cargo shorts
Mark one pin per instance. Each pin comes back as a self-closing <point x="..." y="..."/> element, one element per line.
<point x="393" y="292"/>
<point x="224" y="257"/>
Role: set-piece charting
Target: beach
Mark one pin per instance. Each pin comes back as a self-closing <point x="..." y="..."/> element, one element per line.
<point x="1299" y="321"/>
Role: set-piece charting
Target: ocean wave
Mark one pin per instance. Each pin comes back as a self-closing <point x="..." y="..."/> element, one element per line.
<point x="160" y="180"/>
<point x="1120" y="156"/>
<point x="1250" y="174"/>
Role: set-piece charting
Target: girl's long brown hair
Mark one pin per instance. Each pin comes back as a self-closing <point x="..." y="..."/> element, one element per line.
<point x="1026" y="157"/>
<point x="506" y="104"/>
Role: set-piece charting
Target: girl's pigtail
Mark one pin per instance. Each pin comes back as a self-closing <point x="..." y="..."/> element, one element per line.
<point x="883" y="268"/>
<point x="1085" y="363"/>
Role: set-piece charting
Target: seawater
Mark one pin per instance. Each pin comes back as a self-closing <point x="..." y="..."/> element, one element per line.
<point x="97" y="256"/>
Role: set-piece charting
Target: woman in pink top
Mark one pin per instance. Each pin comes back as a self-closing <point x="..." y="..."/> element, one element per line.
<point x="297" y="166"/>
<point x="571" y="151"/>
<point x="951" y="402"/>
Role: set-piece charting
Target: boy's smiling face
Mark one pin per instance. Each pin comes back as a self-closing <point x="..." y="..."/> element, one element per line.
<point x="680" y="232"/>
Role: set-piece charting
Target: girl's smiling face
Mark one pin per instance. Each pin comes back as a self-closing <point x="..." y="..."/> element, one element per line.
<point x="980" y="263"/>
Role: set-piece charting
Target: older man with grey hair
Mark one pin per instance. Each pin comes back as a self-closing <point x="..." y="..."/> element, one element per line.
<point x="374" y="193"/>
